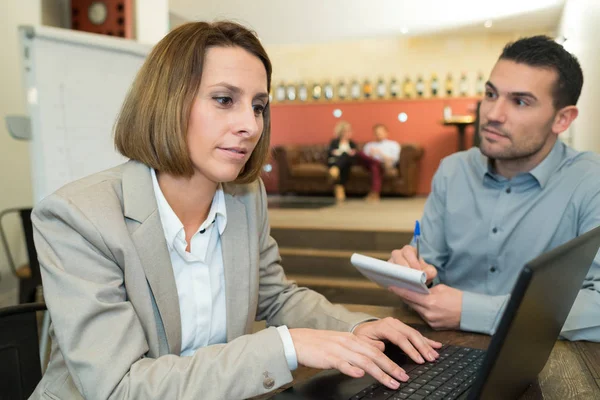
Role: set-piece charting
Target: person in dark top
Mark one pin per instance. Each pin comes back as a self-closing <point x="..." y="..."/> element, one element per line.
<point x="341" y="155"/>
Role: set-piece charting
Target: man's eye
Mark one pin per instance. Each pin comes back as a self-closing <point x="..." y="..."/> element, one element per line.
<point x="520" y="102"/>
<point x="489" y="94"/>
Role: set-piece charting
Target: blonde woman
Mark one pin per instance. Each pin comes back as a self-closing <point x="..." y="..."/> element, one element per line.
<point x="155" y="271"/>
<point x="341" y="156"/>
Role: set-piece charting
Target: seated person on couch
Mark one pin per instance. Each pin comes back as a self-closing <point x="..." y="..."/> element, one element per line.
<point x="340" y="157"/>
<point x="378" y="155"/>
<point x="522" y="193"/>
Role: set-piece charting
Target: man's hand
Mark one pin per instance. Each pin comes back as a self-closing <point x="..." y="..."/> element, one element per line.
<point x="441" y="308"/>
<point x="408" y="256"/>
<point x="362" y="351"/>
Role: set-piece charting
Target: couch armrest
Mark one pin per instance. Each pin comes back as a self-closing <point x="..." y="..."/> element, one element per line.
<point x="280" y="155"/>
<point x="408" y="167"/>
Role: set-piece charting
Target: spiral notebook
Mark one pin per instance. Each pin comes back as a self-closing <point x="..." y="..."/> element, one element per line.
<point x="387" y="274"/>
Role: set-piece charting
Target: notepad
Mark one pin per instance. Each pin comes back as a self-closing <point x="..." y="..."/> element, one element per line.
<point x="387" y="274"/>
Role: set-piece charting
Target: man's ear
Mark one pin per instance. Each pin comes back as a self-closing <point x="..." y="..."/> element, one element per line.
<point x="563" y="119"/>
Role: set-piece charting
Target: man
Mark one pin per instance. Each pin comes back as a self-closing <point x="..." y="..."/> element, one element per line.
<point x="522" y="193"/>
<point x="378" y="155"/>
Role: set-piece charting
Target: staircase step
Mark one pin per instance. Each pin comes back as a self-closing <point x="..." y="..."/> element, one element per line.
<point x="335" y="239"/>
<point x="323" y="263"/>
<point x="348" y="291"/>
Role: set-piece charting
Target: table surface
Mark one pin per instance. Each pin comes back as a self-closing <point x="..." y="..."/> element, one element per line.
<point x="572" y="371"/>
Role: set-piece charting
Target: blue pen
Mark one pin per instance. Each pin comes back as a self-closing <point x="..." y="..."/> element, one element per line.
<point x="417" y="236"/>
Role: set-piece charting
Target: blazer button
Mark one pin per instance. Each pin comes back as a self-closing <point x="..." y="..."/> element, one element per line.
<point x="268" y="382"/>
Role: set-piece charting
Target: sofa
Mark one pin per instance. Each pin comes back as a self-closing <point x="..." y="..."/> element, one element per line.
<point x="302" y="169"/>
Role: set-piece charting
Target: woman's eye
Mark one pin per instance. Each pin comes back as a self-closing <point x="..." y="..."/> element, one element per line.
<point x="259" y="109"/>
<point x="224" y="101"/>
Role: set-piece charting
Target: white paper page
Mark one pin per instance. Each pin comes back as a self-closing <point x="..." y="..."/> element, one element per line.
<point x="387" y="274"/>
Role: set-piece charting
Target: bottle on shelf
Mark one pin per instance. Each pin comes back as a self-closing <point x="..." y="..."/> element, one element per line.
<point x="302" y="92"/>
<point x="449" y="85"/>
<point x="435" y="85"/>
<point x="479" y="84"/>
<point x="342" y="90"/>
<point x="328" y="91"/>
<point x="394" y="88"/>
<point x="316" y="91"/>
<point x="280" y="92"/>
<point x="355" y="90"/>
<point x="420" y="86"/>
<point x="381" y="89"/>
<point x="463" y="85"/>
<point x="291" y="92"/>
<point x="367" y="89"/>
<point x="408" y="89"/>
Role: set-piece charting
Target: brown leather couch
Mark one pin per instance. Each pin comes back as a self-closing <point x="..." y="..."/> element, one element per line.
<point x="303" y="169"/>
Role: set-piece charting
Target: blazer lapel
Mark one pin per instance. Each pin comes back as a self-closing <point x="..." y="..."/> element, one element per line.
<point x="139" y="204"/>
<point x="236" y="261"/>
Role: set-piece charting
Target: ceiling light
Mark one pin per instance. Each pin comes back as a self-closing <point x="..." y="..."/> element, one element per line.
<point x="404" y="31"/>
<point x="488" y="23"/>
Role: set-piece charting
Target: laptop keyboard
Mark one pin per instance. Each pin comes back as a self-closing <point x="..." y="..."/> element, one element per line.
<point x="447" y="378"/>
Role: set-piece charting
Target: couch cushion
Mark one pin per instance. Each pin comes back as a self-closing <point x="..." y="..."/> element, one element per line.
<point x="359" y="171"/>
<point x="309" y="170"/>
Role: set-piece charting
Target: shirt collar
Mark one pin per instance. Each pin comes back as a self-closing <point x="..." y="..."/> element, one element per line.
<point x="171" y="223"/>
<point x="542" y="172"/>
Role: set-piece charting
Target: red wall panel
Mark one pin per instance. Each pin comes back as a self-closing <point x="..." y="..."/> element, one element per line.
<point x="309" y="123"/>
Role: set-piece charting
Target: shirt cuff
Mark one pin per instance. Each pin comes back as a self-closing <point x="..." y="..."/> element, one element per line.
<point x="362" y="322"/>
<point x="288" y="347"/>
<point x="481" y="313"/>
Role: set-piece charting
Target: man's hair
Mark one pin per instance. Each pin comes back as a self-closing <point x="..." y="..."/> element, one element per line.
<point x="376" y="126"/>
<point x="544" y="52"/>
<point x="153" y="122"/>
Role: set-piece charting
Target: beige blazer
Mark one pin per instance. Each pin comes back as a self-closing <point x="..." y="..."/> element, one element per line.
<point x="110" y="289"/>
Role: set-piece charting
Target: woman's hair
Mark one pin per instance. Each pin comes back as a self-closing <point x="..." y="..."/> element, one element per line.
<point x="153" y="122"/>
<point x="340" y="128"/>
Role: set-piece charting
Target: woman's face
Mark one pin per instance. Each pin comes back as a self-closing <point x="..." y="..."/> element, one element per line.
<point x="226" y="119"/>
<point x="347" y="133"/>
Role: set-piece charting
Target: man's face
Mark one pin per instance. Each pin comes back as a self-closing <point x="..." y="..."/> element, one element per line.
<point x="517" y="112"/>
<point x="381" y="133"/>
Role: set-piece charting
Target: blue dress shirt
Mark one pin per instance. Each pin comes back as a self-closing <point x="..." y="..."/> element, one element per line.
<point x="479" y="229"/>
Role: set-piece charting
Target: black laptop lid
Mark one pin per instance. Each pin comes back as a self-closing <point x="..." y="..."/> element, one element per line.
<point x="537" y="310"/>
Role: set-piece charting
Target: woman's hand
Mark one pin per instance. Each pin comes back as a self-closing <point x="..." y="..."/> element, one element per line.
<point x="362" y="351"/>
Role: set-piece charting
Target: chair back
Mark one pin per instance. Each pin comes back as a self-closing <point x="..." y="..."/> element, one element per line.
<point x="28" y="286"/>
<point x="20" y="367"/>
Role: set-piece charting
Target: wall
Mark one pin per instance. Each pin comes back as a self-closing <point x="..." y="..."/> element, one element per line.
<point x="580" y="26"/>
<point x="387" y="57"/>
<point x="15" y="178"/>
<point x="314" y="123"/>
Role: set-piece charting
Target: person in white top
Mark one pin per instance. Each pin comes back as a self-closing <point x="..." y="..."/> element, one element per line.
<point x="155" y="270"/>
<point x="377" y="156"/>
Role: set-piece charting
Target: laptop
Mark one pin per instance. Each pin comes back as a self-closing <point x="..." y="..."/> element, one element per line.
<point x="517" y="352"/>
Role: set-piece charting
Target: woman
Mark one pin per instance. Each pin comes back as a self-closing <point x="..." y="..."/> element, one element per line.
<point x="155" y="270"/>
<point x="341" y="155"/>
